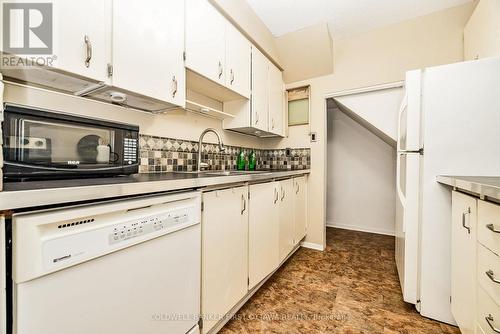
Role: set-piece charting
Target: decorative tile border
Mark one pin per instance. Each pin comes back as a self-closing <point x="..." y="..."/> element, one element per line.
<point x="159" y="154"/>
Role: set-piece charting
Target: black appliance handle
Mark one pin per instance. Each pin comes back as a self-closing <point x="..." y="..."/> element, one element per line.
<point x="82" y="170"/>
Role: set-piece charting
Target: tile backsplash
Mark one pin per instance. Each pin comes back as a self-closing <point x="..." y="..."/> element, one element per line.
<point x="159" y="154"/>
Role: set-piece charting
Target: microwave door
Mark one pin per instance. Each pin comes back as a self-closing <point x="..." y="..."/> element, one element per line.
<point x="62" y="145"/>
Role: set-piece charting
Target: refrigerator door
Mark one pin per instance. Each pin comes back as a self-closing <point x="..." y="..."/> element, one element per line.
<point x="461" y="107"/>
<point x="407" y="223"/>
<point x="409" y="121"/>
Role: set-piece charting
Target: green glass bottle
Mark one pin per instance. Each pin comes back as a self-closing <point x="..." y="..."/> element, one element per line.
<point x="241" y="161"/>
<point x="252" y="161"/>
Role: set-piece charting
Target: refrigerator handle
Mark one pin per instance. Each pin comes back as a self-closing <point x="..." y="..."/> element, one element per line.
<point x="404" y="105"/>
<point x="401" y="195"/>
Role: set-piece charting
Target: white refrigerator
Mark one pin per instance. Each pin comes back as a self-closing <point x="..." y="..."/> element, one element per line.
<point x="449" y="124"/>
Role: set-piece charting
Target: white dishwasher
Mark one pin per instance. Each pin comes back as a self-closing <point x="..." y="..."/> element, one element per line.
<point x="122" y="267"/>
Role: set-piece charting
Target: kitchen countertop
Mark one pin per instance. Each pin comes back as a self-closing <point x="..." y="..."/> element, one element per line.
<point x="482" y="186"/>
<point x="18" y="195"/>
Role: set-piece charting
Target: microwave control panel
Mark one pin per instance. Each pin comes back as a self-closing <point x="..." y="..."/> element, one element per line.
<point x="130" y="150"/>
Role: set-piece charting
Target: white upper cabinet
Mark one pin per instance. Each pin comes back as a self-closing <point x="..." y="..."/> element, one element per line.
<point x="238" y="61"/>
<point x="260" y="91"/>
<point x="264" y="114"/>
<point x="276" y="101"/>
<point x="148" y="57"/>
<point x="205" y="40"/>
<point x="82" y="37"/>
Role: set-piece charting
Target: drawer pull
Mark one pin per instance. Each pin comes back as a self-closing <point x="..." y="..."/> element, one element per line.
<point x="491" y="276"/>
<point x="489" y="320"/>
<point x="492" y="228"/>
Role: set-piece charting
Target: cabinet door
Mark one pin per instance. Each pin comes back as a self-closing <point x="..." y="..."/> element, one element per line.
<point x="205" y="40"/>
<point x="263" y="231"/>
<point x="300" y="208"/>
<point x="463" y="260"/>
<point x="276" y="100"/>
<point x="238" y="61"/>
<point x="224" y="251"/>
<point x="260" y="91"/>
<point x="286" y="218"/>
<point x="148" y="57"/>
<point x="3" y="306"/>
<point x="82" y="31"/>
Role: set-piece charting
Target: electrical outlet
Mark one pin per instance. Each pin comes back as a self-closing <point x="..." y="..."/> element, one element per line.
<point x="314" y="137"/>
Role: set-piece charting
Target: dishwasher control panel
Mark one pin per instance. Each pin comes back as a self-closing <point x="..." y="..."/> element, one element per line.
<point x="147" y="225"/>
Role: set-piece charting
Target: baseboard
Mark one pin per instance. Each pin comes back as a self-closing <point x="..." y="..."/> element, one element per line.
<point x="360" y="228"/>
<point x="311" y="245"/>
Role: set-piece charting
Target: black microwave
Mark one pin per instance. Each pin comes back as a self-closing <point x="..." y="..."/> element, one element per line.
<point x="40" y="144"/>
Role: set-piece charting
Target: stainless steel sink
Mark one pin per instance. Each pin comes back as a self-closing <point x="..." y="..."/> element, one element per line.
<point x="233" y="172"/>
<point x="224" y="173"/>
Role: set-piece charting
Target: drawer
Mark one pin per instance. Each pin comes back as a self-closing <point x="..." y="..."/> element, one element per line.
<point x="488" y="272"/>
<point x="488" y="216"/>
<point x="488" y="312"/>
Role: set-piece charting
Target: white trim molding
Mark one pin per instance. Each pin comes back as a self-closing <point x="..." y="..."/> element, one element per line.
<point x="311" y="245"/>
<point x="360" y="228"/>
<point x="368" y="89"/>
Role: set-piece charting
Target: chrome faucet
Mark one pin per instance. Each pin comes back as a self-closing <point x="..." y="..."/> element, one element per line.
<point x="200" y="146"/>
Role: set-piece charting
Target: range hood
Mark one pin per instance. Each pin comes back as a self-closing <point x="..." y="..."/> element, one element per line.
<point x="127" y="99"/>
<point x="69" y="83"/>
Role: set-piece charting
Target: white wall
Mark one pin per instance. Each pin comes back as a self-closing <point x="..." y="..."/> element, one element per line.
<point x="377" y="57"/>
<point x="482" y="32"/>
<point x="361" y="177"/>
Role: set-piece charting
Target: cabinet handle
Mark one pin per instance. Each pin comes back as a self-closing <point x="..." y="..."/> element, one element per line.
<point x="491" y="276"/>
<point x="489" y="320"/>
<point x="276" y="196"/>
<point x="282" y="194"/>
<point x="232" y="76"/>
<point x="463" y="220"/>
<point x="298" y="188"/>
<point x="244" y="200"/>
<point x="272" y="122"/>
<point x="221" y="70"/>
<point x="256" y="117"/>
<point x="89" y="50"/>
<point x="492" y="228"/>
<point x="174" y="86"/>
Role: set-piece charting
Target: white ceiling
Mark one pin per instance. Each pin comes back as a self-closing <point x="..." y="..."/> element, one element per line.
<point x="344" y="17"/>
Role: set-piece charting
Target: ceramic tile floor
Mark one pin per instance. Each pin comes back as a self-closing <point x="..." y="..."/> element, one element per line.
<point x="352" y="287"/>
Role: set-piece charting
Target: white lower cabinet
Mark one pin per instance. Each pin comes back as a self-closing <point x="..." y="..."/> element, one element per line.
<point x="263" y="231"/>
<point x="224" y="252"/>
<point x="475" y="270"/>
<point x="286" y="218"/>
<point x="300" y="208"/>
<point x="463" y="283"/>
<point x="247" y="232"/>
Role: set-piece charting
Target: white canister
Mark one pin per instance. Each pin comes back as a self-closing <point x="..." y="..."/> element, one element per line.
<point x="103" y="152"/>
